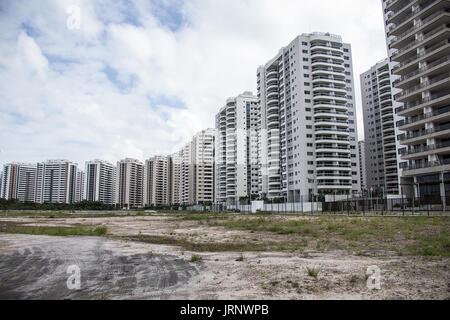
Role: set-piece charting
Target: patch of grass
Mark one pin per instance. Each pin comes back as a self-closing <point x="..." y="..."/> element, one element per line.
<point x="52" y="231"/>
<point x="312" y="272"/>
<point x="218" y="246"/>
<point x="196" y="258"/>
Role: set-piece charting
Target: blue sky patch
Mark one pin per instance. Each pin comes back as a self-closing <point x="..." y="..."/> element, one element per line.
<point x="169" y="13"/>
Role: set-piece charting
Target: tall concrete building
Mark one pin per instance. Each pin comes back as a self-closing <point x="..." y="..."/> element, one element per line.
<point x="418" y="38"/>
<point x="308" y="138"/>
<point x="1" y="185"/>
<point x="236" y="155"/>
<point x="379" y="129"/>
<point x="175" y="177"/>
<point x="129" y="183"/>
<point x="186" y="175"/>
<point x="100" y="181"/>
<point x="157" y="181"/>
<point x="203" y="147"/>
<point x="18" y="182"/>
<point x="362" y="164"/>
<point x="80" y="186"/>
<point x="56" y="182"/>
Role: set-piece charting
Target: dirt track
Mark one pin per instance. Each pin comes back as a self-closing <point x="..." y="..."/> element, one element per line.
<point x="35" y="267"/>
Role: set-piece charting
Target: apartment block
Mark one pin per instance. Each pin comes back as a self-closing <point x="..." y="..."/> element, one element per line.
<point x="236" y="155"/>
<point x="157" y="181"/>
<point x="100" y="181"/>
<point x="418" y="38"/>
<point x="186" y="175"/>
<point x="203" y="146"/>
<point x="308" y="137"/>
<point x="175" y="177"/>
<point x="56" y="182"/>
<point x="129" y="183"/>
<point x="382" y="159"/>
<point x="80" y="194"/>
<point x="362" y="164"/>
<point x="18" y="182"/>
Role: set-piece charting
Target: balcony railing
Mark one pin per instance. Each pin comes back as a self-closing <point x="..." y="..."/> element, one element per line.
<point x="419" y="102"/>
<point x="420" y="133"/>
<point x="422" y="85"/>
<point x="423" y="69"/>
<point x="418" y="41"/>
<point x="418" y="26"/>
<point x="420" y="55"/>
<point x="429" y="164"/>
<point x="426" y="148"/>
<point x="424" y="116"/>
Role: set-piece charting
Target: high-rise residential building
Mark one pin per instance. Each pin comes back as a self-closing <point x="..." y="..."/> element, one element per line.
<point x="379" y="130"/>
<point x="129" y="183"/>
<point x="203" y="146"/>
<point x="80" y="186"/>
<point x="175" y="177"/>
<point x="362" y="164"/>
<point x="157" y="181"/>
<point x="18" y="182"/>
<point x="186" y="175"/>
<point x="308" y="137"/>
<point x="418" y="38"/>
<point x="1" y="185"/>
<point x="100" y="181"/>
<point x="236" y="153"/>
<point x="56" y="182"/>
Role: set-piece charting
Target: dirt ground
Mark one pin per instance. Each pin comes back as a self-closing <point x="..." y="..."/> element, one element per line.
<point x="35" y="267"/>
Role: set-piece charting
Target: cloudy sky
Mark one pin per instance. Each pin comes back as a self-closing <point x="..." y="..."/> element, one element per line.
<point x="139" y="78"/>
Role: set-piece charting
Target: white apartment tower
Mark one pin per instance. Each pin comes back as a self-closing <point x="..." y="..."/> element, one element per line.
<point x="362" y="164"/>
<point x="18" y="182"/>
<point x="237" y="149"/>
<point x="80" y="186"/>
<point x="100" y="182"/>
<point x="308" y="138"/>
<point x="157" y="181"/>
<point x="418" y="38"/>
<point x="203" y="146"/>
<point x="175" y="177"/>
<point x="186" y="175"/>
<point x="379" y="129"/>
<point x="129" y="183"/>
<point x="56" y="182"/>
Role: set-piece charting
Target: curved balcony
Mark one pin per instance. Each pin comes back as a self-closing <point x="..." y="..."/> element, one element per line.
<point x="272" y="95"/>
<point x="272" y="102"/>
<point x="325" y="113"/>
<point x="272" y="74"/>
<point x="328" y="88"/>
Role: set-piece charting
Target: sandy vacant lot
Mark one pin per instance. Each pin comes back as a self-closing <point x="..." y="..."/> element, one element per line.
<point x="151" y="257"/>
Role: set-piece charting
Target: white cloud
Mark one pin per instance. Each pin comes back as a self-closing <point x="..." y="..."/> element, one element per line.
<point x="58" y="102"/>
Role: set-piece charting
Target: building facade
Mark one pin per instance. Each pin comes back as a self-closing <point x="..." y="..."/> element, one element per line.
<point x="56" y="182"/>
<point x="382" y="159"/>
<point x="236" y="154"/>
<point x="129" y="183"/>
<point x="308" y="137"/>
<point x="100" y="181"/>
<point x="18" y="181"/>
<point x="203" y="146"/>
<point x="362" y="165"/>
<point x="80" y="190"/>
<point x="157" y="181"/>
<point x="175" y="177"/>
<point x="418" y="38"/>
